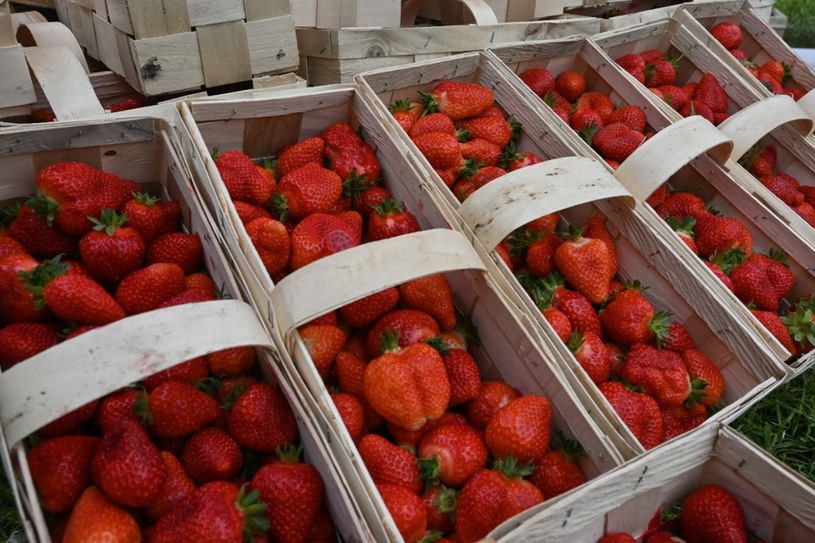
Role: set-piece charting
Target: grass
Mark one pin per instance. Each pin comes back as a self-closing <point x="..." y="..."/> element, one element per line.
<point x="10" y="528"/>
<point x="800" y="31"/>
<point x="783" y="423"/>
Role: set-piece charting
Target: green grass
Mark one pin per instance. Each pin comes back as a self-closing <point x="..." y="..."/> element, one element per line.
<point x="783" y="423"/>
<point x="10" y="528"/>
<point x="800" y="31"/>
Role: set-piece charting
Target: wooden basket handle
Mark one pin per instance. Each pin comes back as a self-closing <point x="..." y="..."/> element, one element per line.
<point x="757" y="120"/>
<point x="807" y="103"/>
<point x="51" y="35"/>
<point x="68" y="376"/>
<point x="657" y="159"/>
<point x="514" y="199"/>
<point x="481" y="11"/>
<point x="352" y="274"/>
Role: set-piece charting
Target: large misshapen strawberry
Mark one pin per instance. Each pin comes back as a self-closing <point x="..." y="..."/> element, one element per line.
<point x="243" y="180"/>
<point x="458" y="100"/>
<point x="96" y="518"/>
<point x="763" y="280"/>
<point x="347" y="154"/>
<point x="323" y="234"/>
<point x="639" y="411"/>
<point x="586" y="264"/>
<point x="661" y="373"/>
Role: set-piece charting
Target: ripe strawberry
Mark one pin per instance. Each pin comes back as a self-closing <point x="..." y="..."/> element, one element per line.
<point x="451" y="454"/>
<point x="663" y="536"/>
<point x="231" y="362"/>
<point x="458" y="100"/>
<point x="171" y="210"/>
<point x="189" y="296"/>
<point x="712" y="514"/>
<point x="493" y="396"/>
<point x="261" y="419"/>
<point x="763" y="280"/>
<point x="662" y="374"/>
<point x="405" y="114"/>
<point x="560" y="105"/>
<point x="180" y="248"/>
<point x="211" y="454"/>
<point x="575" y="306"/>
<point x="96" y="518"/>
<point x="570" y="85"/>
<point x="707" y="381"/>
<point x="630" y="318"/>
<point x="472" y="180"/>
<point x="127" y="466"/>
<point x="639" y="411"/>
<point x="557" y="471"/>
<point x="248" y="212"/>
<point x="352" y="413"/>
<point x="480" y="151"/>
<point x="585" y="118"/>
<point x="596" y="101"/>
<point x="144" y="215"/>
<point x="544" y="300"/>
<point x="660" y="72"/>
<point x="678" y="419"/>
<point x="490" y="497"/>
<point x="177" y="488"/>
<point x="520" y="429"/>
<point x="147" y="288"/>
<point x="349" y="369"/>
<point x="76" y="298"/>
<point x="292" y="157"/>
<point x="538" y="249"/>
<point x="697" y="107"/>
<point x="592" y="355"/>
<point x="322" y="234"/>
<point x="462" y="372"/>
<point x="368" y="309"/>
<point x="270" y="239"/>
<point x="19" y="275"/>
<point x="411" y="325"/>
<point x="684" y="229"/>
<point x="596" y="228"/>
<point x="440" y="505"/>
<point x="711" y="93"/>
<point x="176" y="409"/>
<point x="539" y="80"/>
<point x="407" y="386"/>
<point x="785" y="187"/>
<point x="617" y="537"/>
<point x="390" y="219"/>
<point x="775" y="70"/>
<point x="680" y="205"/>
<point x="306" y="190"/>
<point x="21" y="340"/>
<point x="407" y="510"/>
<point x="586" y="264"/>
<point x="675" y="338"/>
<point x="631" y="116"/>
<point x="493" y="128"/>
<point x="806" y="212"/>
<point x="717" y="234"/>
<point x="323" y="342"/>
<point x="243" y="181"/>
<point x="117" y="405"/>
<point x="431" y="294"/>
<point x="728" y="34"/>
<point x="676" y="97"/>
<point x="616" y="141"/>
<point x="60" y="468"/>
<point x="72" y="422"/>
<point x="631" y="60"/>
<point x="435" y="122"/>
<point x="773" y="323"/>
<point x="441" y="150"/>
<point x="293" y="492"/>
<point x="389" y="463"/>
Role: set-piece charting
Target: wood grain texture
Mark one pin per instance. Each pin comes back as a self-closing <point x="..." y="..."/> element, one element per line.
<point x="16" y="88"/>
<point x="167" y="63"/>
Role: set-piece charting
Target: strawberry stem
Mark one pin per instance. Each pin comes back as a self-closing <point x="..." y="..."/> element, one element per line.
<point x="253" y="509"/>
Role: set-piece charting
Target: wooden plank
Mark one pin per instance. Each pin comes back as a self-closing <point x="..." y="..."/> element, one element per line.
<point x="267" y="9"/>
<point x="7" y="31"/>
<point x="154" y="18"/>
<point x="272" y="45"/>
<point x="16" y="88"/>
<point x="324" y="71"/>
<point x="224" y="53"/>
<point x="107" y="45"/>
<point x="210" y="12"/>
<point x="305" y="13"/>
<point x="168" y="63"/>
<point x="119" y="15"/>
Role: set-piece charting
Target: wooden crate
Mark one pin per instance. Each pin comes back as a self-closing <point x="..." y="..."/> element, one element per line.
<point x="93" y="364"/>
<point x="688" y="161"/>
<point x="16" y="87"/>
<point x="336" y="56"/>
<point x="180" y="46"/>
<point x="777" y="502"/>
<point x="506" y="352"/>
<point x="643" y="252"/>
<point x="346" y="13"/>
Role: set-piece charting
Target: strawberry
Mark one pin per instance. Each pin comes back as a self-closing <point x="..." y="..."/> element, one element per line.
<point x="538" y="249"/>
<point x="407" y="386"/>
<point x="598" y="102"/>
<point x="492" y="128"/>
<point x="349" y="369"/>
<point x="404" y="113"/>
<point x="182" y="248"/>
<point x="127" y="465"/>
<point x="630" y="61"/>
<point x="631" y="116"/>
<point x="176" y="409"/>
<point x="557" y="471"/>
<point x="348" y="155"/>
<point x="773" y="323"/>
<point x="306" y="190"/>
<point x="407" y="510"/>
<point x="660" y="72"/>
<point x="389" y="463"/>
<point x="147" y="288"/>
<point x="441" y="150"/>
<point x="684" y="229"/>
<point x="96" y="518"/>
<point x="707" y="381"/>
<point x="592" y="355"/>
<point x="171" y="210"/>
<point x="458" y="100"/>
<point x="575" y="306"/>
<point x="630" y="318"/>
<point x="616" y="141"/>
<point x="617" y="537"/>
<point x="435" y="122"/>
<point x="520" y="429"/>
<point x="680" y="205"/>
<point x="292" y="157"/>
<point x="76" y="298"/>
<point x="678" y="419"/>
<point x="480" y="151"/>
<point x="492" y="397"/>
<point x="806" y="212"/>
<point x="784" y="186"/>
<point x="390" y="219"/>
<point x="293" y="492"/>
<point x="451" y="454"/>
<point x="440" y="505"/>
<point x="711" y="93"/>
<point x="539" y="80"/>
<point x="585" y="118"/>
<point x="210" y="454"/>
<point x="775" y="70"/>
<point x="19" y="275"/>
<point x="243" y="181"/>
<point x="471" y="181"/>
<point x="21" y="340"/>
<point x="411" y="325"/>
<point x="490" y="497"/>
<point x="216" y="512"/>
<point x="639" y="411"/>
<point x="717" y="234"/>
<point x="560" y="105"/>
<point x="676" y="338"/>
<point x="323" y="342"/>
<point x="586" y="264"/>
<point x="177" y="488"/>
<point x="261" y="419"/>
<point x="676" y="97"/>
<point x="596" y="228"/>
<point x="433" y="295"/>
<point x="117" y="405"/>
<point x="248" y="212"/>
<point x="72" y="422"/>
<point x="663" y="536"/>
<point x="144" y="215"/>
<point x="763" y="280"/>
<point x="231" y="362"/>
<point x="271" y="240"/>
<point x="544" y="300"/>
<point x="322" y="234"/>
<point x="570" y="85"/>
<point x="662" y="374"/>
<point x="352" y="413"/>
<point x="10" y="246"/>
<point x="462" y="372"/>
<point x="370" y="308"/>
<point x="760" y="161"/>
<point x="60" y="468"/>
<point x="728" y="34"/>
<point x="712" y="514"/>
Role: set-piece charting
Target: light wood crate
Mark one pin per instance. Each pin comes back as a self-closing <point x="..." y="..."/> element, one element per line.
<point x="85" y="368"/>
<point x="777" y="503"/>
<point x="689" y="154"/>
<point x="16" y="87"/>
<point x="260" y="127"/>
<point x="495" y="210"/>
<point x="165" y="47"/>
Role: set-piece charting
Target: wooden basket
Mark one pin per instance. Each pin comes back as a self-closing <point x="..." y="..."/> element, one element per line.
<point x="506" y="351"/>
<point x="578" y="194"/>
<point x="98" y="362"/>
<point x="689" y="153"/>
<point x="777" y="502"/>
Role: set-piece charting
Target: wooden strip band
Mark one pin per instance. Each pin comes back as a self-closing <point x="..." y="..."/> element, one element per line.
<point x="51" y="35"/>
<point x="807" y="103"/>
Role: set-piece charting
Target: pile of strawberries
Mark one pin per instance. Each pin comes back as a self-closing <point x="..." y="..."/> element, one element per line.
<point x="199" y="452"/>
<point x="613" y="131"/>
<point x="709" y="513"/>
<point x="762" y="162"/>
<point x="775" y="75"/>
<point x="762" y="281"/>
<point x="657" y="70"/>
<point x="451" y="455"/>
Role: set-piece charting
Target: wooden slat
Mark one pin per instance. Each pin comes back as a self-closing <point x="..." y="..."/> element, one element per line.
<point x="210" y="12"/>
<point x="224" y="53"/>
<point x="153" y="18"/>
<point x="168" y="63"/>
<point x="16" y="88"/>
<point x="272" y="45"/>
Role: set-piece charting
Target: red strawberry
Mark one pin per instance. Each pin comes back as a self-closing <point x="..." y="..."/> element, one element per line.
<point x="676" y="97"/>
<point x="617" y="141"/>
<point x="248" y="212"/>
<point x="435" y="122"/>
<point x="662" y="374"/>
<point x="433" y="295"/>
<point x="585" y="118"/>
<point x="785" y="187"/>
<point x="630" y="318"/>
<point x="660" y="72"/>
<point x="560" y="105"/>
<point x="631" y="60"/>
<point x="451" y="454"/>
<point x="349" y="369"/>
<point x="680" y="205"/>
<point x="231" y="362"/>
<point x="352" y="413"/>
<point x="539" y="80"/>
<point x="390" y="219"/>
<point x="76" y="298"/>
<point x="678" y="419"/>
<point x="514" y="160"/>
<point x="176" y="409"/>
<point x="557" y="471"/>
<point x="711" y="93"/>
<point x="493" y="396"/>
<point x="60" y="468"/>
<point x="717" y="234"/>
<point x="592" y="355"/>
<point x="763" y="280"/>
<point x="306" y="190"/>
<point x="441" y="150"/>
<point x="411" y="325"/>
<point x="323" y="342"/>
<point x="368" y="309"/>
<point x="210" y="454"/>
<point x="544" y="300"/>
<point x="520" y="429"/>
<point x="18" y="273"/>
<point x="707" y="380"/>
<point x="299" y="154"/>
<point x="72" y="422"/>
<point x="145" y="215"/>
<point x="663" y="536"/>
<point x="389" y="463"/>
<point x="806" y="212"/>
<point x="181" y="248"/>
<point x="490" y="497"/>
<point x="617" y="537"/>
<point x="189" y="296"/>
<point x="728" y="34"/>
<point x="631" y="116"/>
<point x="440" y="504"/>
<point x="481" y="151"/>
<point x="96" y="518"/>
<point x="407" y="510"/>
<point x="271" y="240"/>
<point x="177" y="488"/>
<point x="117" y="405"/>
<point x="586" y="264"/>
<point x="127" y="465"/>
<point x="21" y="340"/>
<point x="575" y="306"/>
<point x="639" y="411"/>
<point x="570" y="85"/>
<point x="322" y="234"/>
<point x="348" y="155"/>
<point x="712" y="514"/>
<point x="462" y="371"/>
<point x="406" y="113"/>
<point x="773" y="323"/>
<point x="243" y="181"/>
<point x="598" y="102"/>
<point x="495" y="129"/>
<point x="676" y="338"/>
<point x="684" y="229"/>
<point x="458" y="100"/>
<point x="775" y="70"/>
<point x="261" y="419"/>
<point x="147" y="288"/>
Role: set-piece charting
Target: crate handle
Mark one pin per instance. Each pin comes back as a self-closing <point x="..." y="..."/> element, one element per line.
<point x="807" y="103"/>
<point x="514" y="199"/>
<point x="481" y="11"/>
<point x="657" y="159"/>
<point x="71" y="374"/>
<point x="757" y="120"/>
<point x="339" y="279"/>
